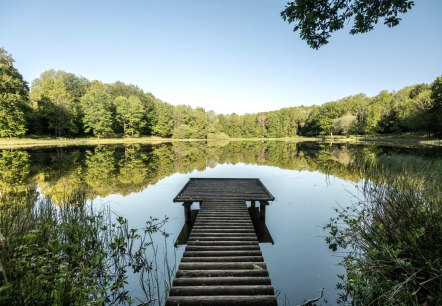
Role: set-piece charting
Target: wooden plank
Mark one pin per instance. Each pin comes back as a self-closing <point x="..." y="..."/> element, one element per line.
<point x="231" y="259"/>
<point x="225" y="238"/>
<point x="222" y="266"/>
<point x="222" y="290"/>
<point x="211" y="281"/>
<point x="222" y="247"/>
<point x="207" y="230"/>
<point x="222" y="242"/>
<point x="222" y="273"/>
<point x="222" y="253"/>
<point x="262" y="300"/>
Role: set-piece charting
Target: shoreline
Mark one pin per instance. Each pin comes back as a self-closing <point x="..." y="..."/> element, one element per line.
<point x="14" y="143"/>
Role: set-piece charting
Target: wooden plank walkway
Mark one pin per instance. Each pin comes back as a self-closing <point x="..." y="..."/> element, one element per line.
<point x="201" y="189"/>
<point x="222" y="263"/>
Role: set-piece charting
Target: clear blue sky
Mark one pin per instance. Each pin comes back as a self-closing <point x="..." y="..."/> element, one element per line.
<point x="228" y="56"/>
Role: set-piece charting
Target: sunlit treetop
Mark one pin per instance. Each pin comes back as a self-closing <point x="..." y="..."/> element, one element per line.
<point x="316" y="20"/>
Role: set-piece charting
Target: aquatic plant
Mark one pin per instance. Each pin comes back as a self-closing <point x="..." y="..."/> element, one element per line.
<point x="77" y="254"/>
<point x="391" y="238"/>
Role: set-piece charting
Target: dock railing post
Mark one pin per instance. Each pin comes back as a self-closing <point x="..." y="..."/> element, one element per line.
<point x="3" y="278"/>
<point x="262" y="210"/>
<point x="187" y="212"/>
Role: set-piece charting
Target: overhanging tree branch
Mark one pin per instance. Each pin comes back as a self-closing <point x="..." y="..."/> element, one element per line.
<point x="316" y="20"/>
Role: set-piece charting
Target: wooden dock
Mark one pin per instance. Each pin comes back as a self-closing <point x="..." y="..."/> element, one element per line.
<point x="222" y="263"/>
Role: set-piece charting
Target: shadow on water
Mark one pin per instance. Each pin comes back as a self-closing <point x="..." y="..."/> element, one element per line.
<point x="261" y="230"/>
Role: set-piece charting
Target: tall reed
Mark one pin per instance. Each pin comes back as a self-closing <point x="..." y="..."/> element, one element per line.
<point x="76" y="254"/>
<point x="391" y="237"/>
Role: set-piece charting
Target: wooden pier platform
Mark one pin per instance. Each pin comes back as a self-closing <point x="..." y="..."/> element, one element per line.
<point x="222" y="263"/>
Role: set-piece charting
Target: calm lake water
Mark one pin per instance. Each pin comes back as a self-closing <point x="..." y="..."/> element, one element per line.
<point x="308" y="181"/>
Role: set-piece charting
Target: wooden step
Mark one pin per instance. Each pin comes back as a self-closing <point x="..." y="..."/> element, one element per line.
<point x="220" y="281"/>
<point x="222" y="266"/>
<point x="222" y="234"/>
<point x="222" y="242"/>
<point x="222" y="238"/>
<point x="222" y="253"/>
<point x="237" y="228"/>
<point x="252" y="300"/>
<point x="223" y="259"/>
<point x="222" y="247"/>
<point x="222" y="273"/>
<point x="221" y="290"/>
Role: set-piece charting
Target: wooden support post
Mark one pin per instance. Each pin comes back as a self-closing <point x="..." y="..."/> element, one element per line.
<point x="3" y="279"/>
<point x="187" y="212"/>
<point x="262" y="210"/>
<point x="253" y="204"/>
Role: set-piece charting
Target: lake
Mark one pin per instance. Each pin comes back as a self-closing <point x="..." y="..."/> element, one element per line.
<point x="307" y="179"/>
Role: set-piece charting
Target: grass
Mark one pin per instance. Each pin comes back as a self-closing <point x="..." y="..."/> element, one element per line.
<point x="393" y="139"/>
<point x="6" y="143"/>
<point x="391" y="238"/>
<point x="405" y="138"/>
<point x="74" y="254"/>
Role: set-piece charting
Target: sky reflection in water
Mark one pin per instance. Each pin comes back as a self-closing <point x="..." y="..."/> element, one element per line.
<point x="140" y="182"/>
<point x="299" y="262"/>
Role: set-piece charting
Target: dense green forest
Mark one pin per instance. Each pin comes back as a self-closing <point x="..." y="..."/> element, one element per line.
<point x="62" y="104"/>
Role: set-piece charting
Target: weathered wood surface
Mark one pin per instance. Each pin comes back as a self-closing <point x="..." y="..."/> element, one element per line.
<point x="201" y="189"/>
<point x="222" y="263"/>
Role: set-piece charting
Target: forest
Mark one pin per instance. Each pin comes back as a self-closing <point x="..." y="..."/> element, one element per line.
<point x="62" y="104"/>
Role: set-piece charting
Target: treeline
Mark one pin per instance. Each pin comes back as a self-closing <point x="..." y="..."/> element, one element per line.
<point x="63" y="104"/>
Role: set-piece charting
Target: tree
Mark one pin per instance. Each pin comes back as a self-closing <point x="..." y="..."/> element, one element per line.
<point x="189" y="123"/>
<point x="199" y="123"/>
<point x="55" y="96"/>
<point x="14" y="93"/>
<point x="97" y="110"/>
<point x="316" y="20"/>
<point x="49" y="117"/>
<point x="273" y="125"/>
<point x="130" y="114"/>
<point x="76" y="86"/>
<point x="436" y="110"/>
<point x="327" y="115"/>
<point x="234" y="125"/>
<point x="183" y="131"/>
<point x="343" y="124"/>
<point x="162" y="119"/>
<point x="250" y="127"/>
<point x="118" y="89"/>
<point x="420" y="118"/>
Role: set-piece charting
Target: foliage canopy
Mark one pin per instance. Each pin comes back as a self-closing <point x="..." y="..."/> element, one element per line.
<point x="13" y="98"/>
<point x="316" y="20"/>
<point x="64" y="104"/>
